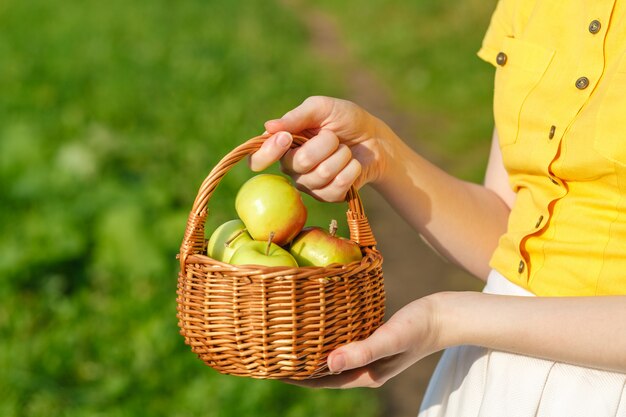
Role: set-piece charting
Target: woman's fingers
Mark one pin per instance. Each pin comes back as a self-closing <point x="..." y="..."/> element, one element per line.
<point x="386" y="341"/>
<point x="308" y="156"/>
<point x="271" y="151"/>
<point x="336" y="190"/>
<point x="311" y="114"/>
<point x="349" y="379"/>
<point x="321" y="167"/>
<point x="326" y="171"/>
<point x="368" y="363"/>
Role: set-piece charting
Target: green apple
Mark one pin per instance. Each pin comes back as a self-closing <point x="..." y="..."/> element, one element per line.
<point x="262" y="253"/>
<point x="226" y="239"/>
<point x="315" y="246"/>
<point x="269" y="203"/>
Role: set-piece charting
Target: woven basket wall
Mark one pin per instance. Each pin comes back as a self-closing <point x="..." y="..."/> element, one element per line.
<point x="274" y="322"/>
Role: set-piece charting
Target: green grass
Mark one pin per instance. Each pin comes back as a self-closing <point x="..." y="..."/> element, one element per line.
<point x="111" y="115"/>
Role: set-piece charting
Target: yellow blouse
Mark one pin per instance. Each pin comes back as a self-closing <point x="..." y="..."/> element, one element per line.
<point x="560" y="112"/>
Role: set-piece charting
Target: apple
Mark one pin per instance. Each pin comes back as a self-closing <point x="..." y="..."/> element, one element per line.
<point x="315" y="246"/>
<point x="262" y="253"/>
<point x="226" y="239"/>
<point x="269" y="203"/>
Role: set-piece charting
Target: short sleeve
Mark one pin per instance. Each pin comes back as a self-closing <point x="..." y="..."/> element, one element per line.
<point x="500" y="28"/>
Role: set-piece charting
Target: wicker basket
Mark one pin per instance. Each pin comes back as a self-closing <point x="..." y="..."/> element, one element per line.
<point x="274" y="322"/>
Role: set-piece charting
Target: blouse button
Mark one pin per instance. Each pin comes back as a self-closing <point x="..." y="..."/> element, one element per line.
<point x="552" y="132"/>
<point x="520" y="268"/>
<point x="594" y="26"/>
<point x="582" y="83"/>
<point x="501" y="59"/>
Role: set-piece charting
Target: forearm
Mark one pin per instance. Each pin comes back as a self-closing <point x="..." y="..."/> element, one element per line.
<point x="461" y="220"/>
<point x="586" y="331"/>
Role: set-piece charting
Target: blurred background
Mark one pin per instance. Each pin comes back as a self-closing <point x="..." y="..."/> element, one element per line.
<point x="111" y="115"/>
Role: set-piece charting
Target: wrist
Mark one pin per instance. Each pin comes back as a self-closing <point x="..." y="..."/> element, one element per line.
<point x="388" y="150"/>
<point x="453" y="323"/>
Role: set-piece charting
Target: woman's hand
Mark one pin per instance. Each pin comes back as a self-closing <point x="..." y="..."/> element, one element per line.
<point x="585" y="331"/>
<point x="410" y="335"/>
<point x="346" y="147"/>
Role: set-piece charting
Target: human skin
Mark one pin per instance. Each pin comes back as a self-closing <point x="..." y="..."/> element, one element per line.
<point x="348" y="145"/>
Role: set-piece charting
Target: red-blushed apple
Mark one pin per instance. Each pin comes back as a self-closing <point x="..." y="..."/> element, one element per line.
<point x="269" y="203"/>
<point x="262" y="253"/>
<point x="315" y="246"/>
<point x="226" y="239"/>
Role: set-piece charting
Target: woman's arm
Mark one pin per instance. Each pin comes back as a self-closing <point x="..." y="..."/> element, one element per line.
<point x="586" y="331"/>
<point x="461" y="220"/>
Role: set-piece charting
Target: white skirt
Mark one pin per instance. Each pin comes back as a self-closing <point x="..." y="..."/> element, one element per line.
<point x="472" y="381"/>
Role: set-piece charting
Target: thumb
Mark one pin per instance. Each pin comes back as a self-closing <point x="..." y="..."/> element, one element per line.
<point x="271" y="151"/>
<point x="382" y="343"/>
<point x="309" y="115"/>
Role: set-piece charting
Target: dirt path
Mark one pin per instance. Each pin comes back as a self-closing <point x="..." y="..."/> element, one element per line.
<point x="411" y="269"/>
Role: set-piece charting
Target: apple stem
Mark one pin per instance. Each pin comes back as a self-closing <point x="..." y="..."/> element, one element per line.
<point x="332" y="229"/>
<point x="269" y="244"/>
<point x="235" y="236"/>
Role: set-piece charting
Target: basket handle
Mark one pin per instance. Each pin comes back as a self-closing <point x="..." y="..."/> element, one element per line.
<point x="193" y="240"/>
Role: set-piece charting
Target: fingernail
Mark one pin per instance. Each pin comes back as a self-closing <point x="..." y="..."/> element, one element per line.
<point x="283" y="139"/>
<point x="270" y="122"/>
<point x="338" y="363"/>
